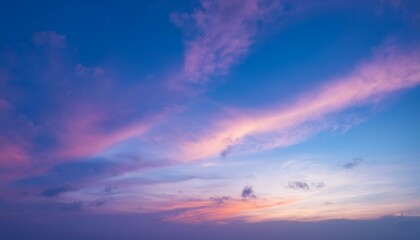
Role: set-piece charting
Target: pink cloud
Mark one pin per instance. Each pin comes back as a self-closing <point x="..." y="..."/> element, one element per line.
<point x="49" y="38"/>
<point x="12" y="154"/>
<point x="388" y="72"/>
<point x="223" y="33"/>
<point x="198" y="211"/>
<point x="82" y="134"/>
<point x="82" y="111"/>
<point x="4" y="105"/>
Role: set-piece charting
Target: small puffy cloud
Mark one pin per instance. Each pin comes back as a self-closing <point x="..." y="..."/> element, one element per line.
<point x="298" y="185"/>
<point x="220" y="200"/>
<point x="354" y="163"/>
<point x="248" y="192"/>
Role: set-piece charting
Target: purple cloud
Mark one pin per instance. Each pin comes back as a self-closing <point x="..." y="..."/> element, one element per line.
<point x="221" y="32"/>
<point x="49" y="39"/>
<point x="298" y="185"/>
<point x="248" y="192"/>
<point x="56" y="191"/>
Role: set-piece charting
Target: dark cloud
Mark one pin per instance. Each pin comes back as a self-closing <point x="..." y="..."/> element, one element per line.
<point x="227" y="151"/>
<point x="101" y="201"/>
<point x="72" y="171"/>
<point x="298" y="185"/>
<point x="301" y="185"/>
<point x="354" y="163"/>
<point x="88" y="169"/>
<point x="248" y="192"/>
<point x="220" y="200"/>
<point x="73" y="206"/>
<point x="109" y="188"/>
<point x="56" y="191"/>
<point x="64" y="206"/>
<point x="318" y="184"/>
<point x="230" y="144"/>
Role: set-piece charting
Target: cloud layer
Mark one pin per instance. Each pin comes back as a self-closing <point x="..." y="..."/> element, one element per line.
<point x="389" y="71"/>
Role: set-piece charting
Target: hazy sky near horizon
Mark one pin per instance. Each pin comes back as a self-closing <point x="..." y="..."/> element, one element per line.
<point x="206" y="111"/>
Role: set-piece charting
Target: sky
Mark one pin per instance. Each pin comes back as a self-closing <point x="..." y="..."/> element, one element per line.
<point x="240" y="118"/>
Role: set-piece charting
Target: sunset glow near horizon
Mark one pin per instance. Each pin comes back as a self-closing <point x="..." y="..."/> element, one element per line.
<point x="211" y="111"/>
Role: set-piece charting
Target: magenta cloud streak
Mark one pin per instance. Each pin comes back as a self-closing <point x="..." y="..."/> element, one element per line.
<point x="389" y="71"/>
<point x="223" y="33"/>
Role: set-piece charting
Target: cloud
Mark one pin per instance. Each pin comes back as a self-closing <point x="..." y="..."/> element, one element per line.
<point x="4" y="105"/>
<point x="84" y="71"/>
<point x="66" y="206"/>
<point x="298" y="185"/>
<point x="60" y="110"/>
<point x="222" y="32"/>
<point x="49" y="38"/>
<point x="226" y="151"/>
<point x="318" y="185"/>
<point x="108" y="189"/>
<point x="301" y="185"/>
<point x="248" y="192"/>
<point x="74" y="171"/>
<point x="85" y="170"/>
<point x="83" y="134"/>
<point x="12" y="154"/>
<point x="101" y="201"/>
<point x="354" y="163"/>
<point x="56" y="191"/>
<point x="389" y="71"/>
<point x="201" y="210"/>
<point x="220" y="200"/>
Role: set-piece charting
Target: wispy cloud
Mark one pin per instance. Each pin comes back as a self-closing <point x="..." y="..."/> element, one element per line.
<point x="56" y="191"/>
<point x="72" y="113"/>
<point x="4" y="104"/>
<point x="298" y="185"/>
<point x="201" y="210"/>
<point x="302" y="185"/>
<point x="12" y="154"/>
<point x="390" y="70"/>
<point x="220" y="33"/>
<point x="83" y="136"/>
<point x="354" y="163"/>
<point x="50" y="39"/>
<point x="101" y="201"/>
<point x="65" y="206"/>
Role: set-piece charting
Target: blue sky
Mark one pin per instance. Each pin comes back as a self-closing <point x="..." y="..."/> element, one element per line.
<point x="210" y="112"/>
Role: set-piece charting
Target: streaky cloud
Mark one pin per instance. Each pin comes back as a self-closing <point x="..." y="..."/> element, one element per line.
<point x="298" y="185"/>
<point x="389" y="71"/>
<point x="354" y="163"/>
<point x="222" y="32"/>
<point x="50" y="39"/>
<point x="56" y="191"/>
